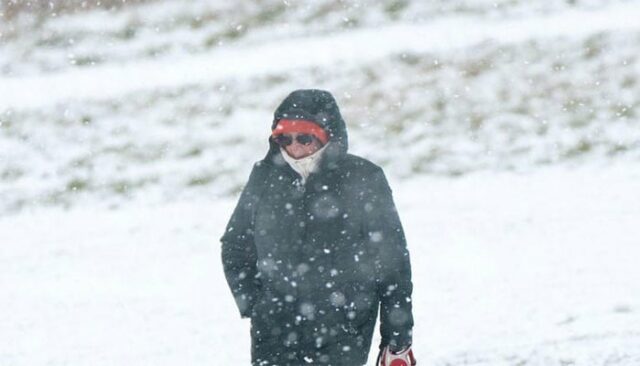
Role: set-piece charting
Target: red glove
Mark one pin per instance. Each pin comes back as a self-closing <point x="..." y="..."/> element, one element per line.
<point x="401" y="358"/>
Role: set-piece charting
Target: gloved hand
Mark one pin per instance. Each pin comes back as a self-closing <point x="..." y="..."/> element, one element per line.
<point x="399" y="358"/>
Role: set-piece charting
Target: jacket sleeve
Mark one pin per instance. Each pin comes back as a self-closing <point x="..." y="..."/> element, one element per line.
<point x="238" y="249"/>
<point x="385" y="236"/>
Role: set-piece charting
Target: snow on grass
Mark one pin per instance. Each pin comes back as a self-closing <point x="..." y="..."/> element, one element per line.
<point x="509" y="269"/>
<point x="50" y="42"/>
<point x="488" y="107"/>
<point x="112" y="80"/>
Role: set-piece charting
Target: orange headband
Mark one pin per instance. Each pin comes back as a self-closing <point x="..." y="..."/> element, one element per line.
<point x="300" y="126"/>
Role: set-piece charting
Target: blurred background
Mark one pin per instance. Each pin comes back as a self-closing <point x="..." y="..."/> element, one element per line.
<point x="128" y="128"/>
<point x="111" y="99"/>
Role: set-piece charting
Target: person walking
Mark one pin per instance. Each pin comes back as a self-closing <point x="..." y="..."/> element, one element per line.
<point x="315" y="247"/>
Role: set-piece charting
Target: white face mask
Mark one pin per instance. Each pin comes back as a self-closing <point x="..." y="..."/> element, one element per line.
<point x="306" y="165"/>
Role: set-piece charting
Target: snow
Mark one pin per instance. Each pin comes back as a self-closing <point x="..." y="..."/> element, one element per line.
<point x="546" y="262"/>
<point x="508" y="130"/>
<point x="104" y="82"/>
<point x="537" y="268"/>
<point x="495" y="108"/>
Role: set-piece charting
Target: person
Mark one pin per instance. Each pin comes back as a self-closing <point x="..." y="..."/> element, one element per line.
<point x="315" y="247"/>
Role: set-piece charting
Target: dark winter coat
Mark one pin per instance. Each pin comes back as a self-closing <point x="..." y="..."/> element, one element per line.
<point x="312" y="264"/>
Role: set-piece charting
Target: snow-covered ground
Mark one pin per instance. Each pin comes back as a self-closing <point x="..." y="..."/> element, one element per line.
<point x="509" y="269"/>
<point x="325" y="51"/>
<point x="489" y="107"/>
<point x="49" y="41"/>
<point x="509" y="130"/>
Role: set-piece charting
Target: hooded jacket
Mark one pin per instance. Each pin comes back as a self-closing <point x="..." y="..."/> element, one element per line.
<point x="312" y="264"/>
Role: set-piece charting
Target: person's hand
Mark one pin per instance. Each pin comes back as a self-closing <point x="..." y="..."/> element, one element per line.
<point x="402" y="357"/>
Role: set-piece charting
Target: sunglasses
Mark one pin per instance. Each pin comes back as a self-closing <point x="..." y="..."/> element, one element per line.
<point x="286" y="140"/>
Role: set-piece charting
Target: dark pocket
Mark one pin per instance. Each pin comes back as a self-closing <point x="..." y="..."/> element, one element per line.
<point x="269" y="313"/>
<point x="273" y="335"/>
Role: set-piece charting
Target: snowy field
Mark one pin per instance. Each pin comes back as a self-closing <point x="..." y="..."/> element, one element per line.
<point x="533" y="269"/>
<point x="510" y="132"/>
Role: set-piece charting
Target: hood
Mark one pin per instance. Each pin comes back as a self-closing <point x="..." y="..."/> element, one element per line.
<point x="317" y="106"/>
